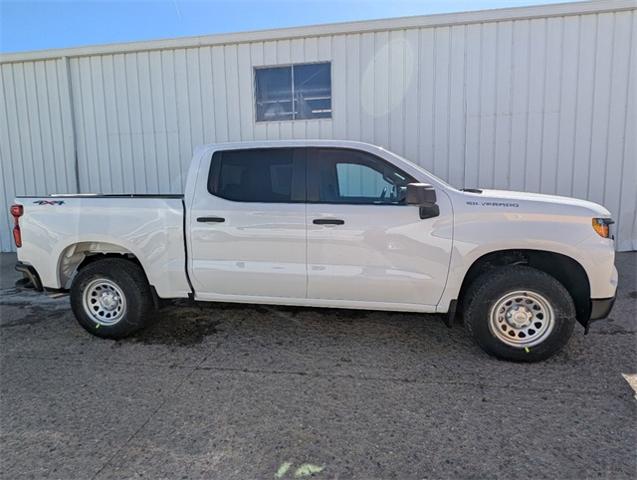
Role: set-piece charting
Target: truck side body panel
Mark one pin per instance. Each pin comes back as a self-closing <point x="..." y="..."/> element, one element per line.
<point x="54" y="229"/>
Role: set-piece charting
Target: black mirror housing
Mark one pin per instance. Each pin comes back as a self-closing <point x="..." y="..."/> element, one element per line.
<point x="421" y="194"/>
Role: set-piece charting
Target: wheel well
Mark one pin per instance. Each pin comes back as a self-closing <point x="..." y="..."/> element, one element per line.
<point x="563" y="268"/>
<point x="77" y="256"/>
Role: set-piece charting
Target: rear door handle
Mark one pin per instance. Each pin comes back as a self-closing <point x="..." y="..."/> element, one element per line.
<point x="211" y="219"/>
<point x="328" y="221"/>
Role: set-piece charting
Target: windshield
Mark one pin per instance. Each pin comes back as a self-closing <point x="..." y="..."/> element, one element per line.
<point x="423" y="170"/>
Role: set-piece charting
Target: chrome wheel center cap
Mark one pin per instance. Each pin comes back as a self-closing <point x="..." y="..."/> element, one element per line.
<point x="519" y="317"/>
<point x="108" y="301"/>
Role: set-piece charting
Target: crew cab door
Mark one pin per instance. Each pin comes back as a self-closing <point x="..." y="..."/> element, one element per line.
<point x="248" y="226"/>
<point x="366" y="246"/>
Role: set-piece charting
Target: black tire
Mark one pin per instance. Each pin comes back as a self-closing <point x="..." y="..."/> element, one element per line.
<point x="130" y="279"/>
<point x="492" y="286"/>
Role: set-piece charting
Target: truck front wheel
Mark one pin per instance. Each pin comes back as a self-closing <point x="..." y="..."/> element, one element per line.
<point x="111" y="298"/>
<point x="519" y="313"/>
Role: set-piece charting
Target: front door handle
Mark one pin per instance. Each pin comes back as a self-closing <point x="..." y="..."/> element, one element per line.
<point x="328" y="221"/>
<point x="211" y="219"/>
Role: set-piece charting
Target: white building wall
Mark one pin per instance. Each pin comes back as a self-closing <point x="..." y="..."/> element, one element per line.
<point x="539" y="99"/>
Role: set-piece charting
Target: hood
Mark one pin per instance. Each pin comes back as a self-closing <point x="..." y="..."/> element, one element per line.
<point x="540" y="200"/>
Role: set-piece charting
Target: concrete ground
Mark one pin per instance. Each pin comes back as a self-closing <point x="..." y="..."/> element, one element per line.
<point x="242" y="392"/>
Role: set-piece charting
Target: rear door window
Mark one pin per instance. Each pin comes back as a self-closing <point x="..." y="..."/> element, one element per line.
<point x="267" y="175"/>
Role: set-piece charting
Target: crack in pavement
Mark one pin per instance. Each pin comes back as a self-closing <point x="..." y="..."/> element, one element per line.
<point x="366" y="378"/>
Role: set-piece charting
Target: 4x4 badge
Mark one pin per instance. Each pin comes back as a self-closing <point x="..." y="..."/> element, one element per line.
<point x="49" y="202"/>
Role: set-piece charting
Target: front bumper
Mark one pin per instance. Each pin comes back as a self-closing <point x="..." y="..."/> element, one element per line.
<point x="601" y="307"/>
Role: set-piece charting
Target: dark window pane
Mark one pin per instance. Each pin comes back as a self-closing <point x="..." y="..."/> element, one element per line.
<point x="258" y="175"/>
<point x="312" y="91"/>
<point x="350" y="176"/>
<point x="274" y="93"/>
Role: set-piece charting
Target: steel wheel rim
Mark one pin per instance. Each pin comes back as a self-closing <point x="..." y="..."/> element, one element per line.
<point x="104" y="302"/>
<point x="521" y="319"/>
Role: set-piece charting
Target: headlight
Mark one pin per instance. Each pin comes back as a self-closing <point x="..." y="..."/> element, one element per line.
<point x="602" y="226"/>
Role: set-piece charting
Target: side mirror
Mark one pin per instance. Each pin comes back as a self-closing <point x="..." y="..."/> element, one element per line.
<point x="421" y="194"/>
<point x="424" y="196"/>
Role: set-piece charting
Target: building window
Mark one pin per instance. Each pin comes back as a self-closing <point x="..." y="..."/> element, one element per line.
<point x="293" y="92"/>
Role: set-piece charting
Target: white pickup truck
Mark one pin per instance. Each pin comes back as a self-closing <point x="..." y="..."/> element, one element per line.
<point x="327" y="224"/>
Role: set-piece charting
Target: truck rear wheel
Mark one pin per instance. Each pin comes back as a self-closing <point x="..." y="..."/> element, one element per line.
<point x="519" y="313"/>
<point x="111" y="298"/>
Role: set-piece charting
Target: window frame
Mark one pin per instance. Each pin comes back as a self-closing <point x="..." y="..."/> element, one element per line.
<point x="313" y="173"/>
<point x="299" y="175"/>
<point x="291" y="66"/>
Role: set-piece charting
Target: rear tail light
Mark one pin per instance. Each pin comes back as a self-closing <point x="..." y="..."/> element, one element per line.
<point x="602" y="226"/>
<point x="16" y="213"/>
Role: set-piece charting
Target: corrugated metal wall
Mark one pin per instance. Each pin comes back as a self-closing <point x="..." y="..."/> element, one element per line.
<point x="543" y="104"/>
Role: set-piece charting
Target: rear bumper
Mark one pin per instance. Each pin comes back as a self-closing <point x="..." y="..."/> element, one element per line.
<point x="30" y="279"/>
<point x="601" y="307"/>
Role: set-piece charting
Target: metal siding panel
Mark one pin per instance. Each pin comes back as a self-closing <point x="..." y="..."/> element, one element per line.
<point x="620" y="168"/>
<point x="551" y="108"/>
<point x="381" y="89"/>
<point x="193" y="93"/>
<point x="503" y="78"/>
<point x="535" y="114"/>
<point x="397" y="47"/>
<point x="207" y="93"/>
<point x="159" y="100"/>
<point x="43" y="114"/>
<point x="473" y="79"/>
<point x="42" y="181"/>
<point x="367" y="93"/>
<point x="33" y="183"/>
<point x="232" y="85"/>
<point x="136" y="123"/>
<point x="126" y="140"/>
<point x="412" y="92"/>
<point x="519" y="111"/>
<point x="442" y="74"/>
<point x="171" y="110"/>
<point x="80" y="131"/>
<point x="627" y="232"/>
<point x="601" y="107"/>
<point x="568" y="105"/>
<point x="102" y="159"/>
<point x="68" y="140"/>
<point x="353" y="96"/>
<point x="488" y="93"/>
<point x="183" y="113"/>
<point x="8" y="182"/>
<point x="13" y="130"/>
<point x="457" y="104"/>
<point x="585" y="94"/>
<point x="339" y="87"/>
<point x="246" y="99"/>
<point x="147" y="114"/>
<point x="426" y="103"/>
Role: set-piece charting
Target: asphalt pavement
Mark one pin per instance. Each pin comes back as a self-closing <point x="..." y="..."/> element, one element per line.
<point x="244" y="391"/>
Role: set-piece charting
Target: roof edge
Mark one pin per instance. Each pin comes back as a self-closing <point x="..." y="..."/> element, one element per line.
<point x="364" y="26"/>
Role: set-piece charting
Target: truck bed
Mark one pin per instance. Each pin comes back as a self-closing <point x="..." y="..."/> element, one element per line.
<point x="148" y="226"/>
